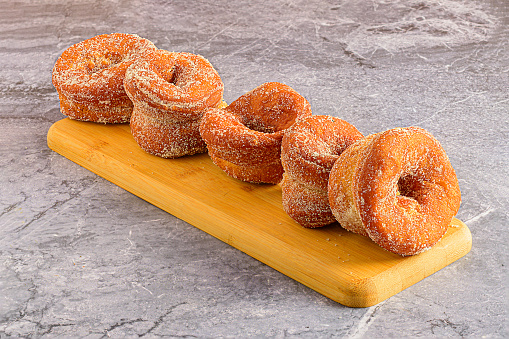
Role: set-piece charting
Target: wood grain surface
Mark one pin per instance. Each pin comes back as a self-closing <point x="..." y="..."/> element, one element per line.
<point x="343" y="266"/>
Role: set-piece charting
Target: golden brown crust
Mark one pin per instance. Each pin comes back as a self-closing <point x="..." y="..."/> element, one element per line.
<point x="170" y="92"/>
<point x="166" y="140"/>
<point x="309" y="150"/>
<point x="307" y="206"/>
<point x="403" y="188"/>
<point x="264" y="173"/>
<point x="89" y="75"/>
<point x="341" y="185"/>
<point x="248" y="132"/>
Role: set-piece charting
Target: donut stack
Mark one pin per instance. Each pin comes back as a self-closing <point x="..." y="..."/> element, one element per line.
<point x="310" y="149"/>
<point x="117" y="78"/>
<point x="89" y="77"/>
<point x="170" y="92"/>
<point x="244" y="139"/>
<point x="396" y="187"/>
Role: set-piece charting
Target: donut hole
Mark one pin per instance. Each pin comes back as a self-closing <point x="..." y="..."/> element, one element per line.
<point x="321" y="139"/>
<point x="169" y="75"/>
<point x="260" y="126"/>
<point x="408" y="186"/>
<point x="325" y="148"/>
<point x="176" y="74"/>
<point x="182" y="76"/>
<point x="269" y="119"/>
<point x="98" y="62"/>
<point x="318" y="150"/>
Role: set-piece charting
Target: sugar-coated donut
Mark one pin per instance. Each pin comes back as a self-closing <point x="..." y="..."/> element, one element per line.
<point x="309" y="150"/>
<point x="170" y="92"/>
<point x="244" y="138"/>
<point x="89" y="76"/>
<point x="398" y="187"/>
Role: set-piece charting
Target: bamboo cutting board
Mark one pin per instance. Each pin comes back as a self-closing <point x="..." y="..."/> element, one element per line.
<point x="346" y="267"/>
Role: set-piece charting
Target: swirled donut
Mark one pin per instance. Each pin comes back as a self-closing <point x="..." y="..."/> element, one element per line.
<point x="398" y="187"/>
<point x="309" y="150"/>
<point x="89" y="76"/>
<point x="244" y="138"/>
<point x="170" y="92"/>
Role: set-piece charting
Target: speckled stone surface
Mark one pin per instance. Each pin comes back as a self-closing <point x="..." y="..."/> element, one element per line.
<point x="80" y="256"/>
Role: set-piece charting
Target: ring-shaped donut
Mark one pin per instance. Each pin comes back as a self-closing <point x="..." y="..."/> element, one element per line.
<point x="309" y="150"/>
<point x="398" y="187"/>
<point x="89" y="76"/>
<point x="244" y="138"/>
<point x="170" y="92"/>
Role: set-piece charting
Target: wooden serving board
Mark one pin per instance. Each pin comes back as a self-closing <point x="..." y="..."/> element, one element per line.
<point x="346" y="267"/>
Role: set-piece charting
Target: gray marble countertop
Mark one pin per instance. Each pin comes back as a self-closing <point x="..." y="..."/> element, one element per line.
<point x="80" y="256"/>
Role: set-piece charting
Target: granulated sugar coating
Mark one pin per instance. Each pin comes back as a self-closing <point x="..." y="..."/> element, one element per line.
<point x="244" y="138"/>
<point x="398" y="187"/>
<point x="309" y="150"/>
<point x="89" y="76"/>
<point x="170" y="92"/>
<point x="167" y="139"/>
